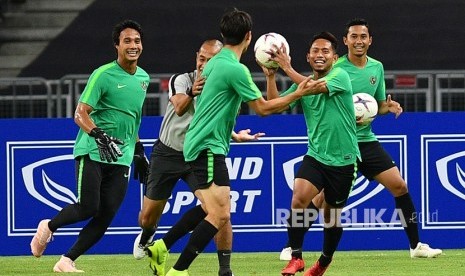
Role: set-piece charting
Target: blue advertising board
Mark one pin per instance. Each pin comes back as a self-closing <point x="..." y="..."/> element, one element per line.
<point x="37" y="170"/>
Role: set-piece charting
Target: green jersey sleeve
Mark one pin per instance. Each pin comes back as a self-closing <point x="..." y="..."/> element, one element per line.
<point x="93" y="90"/>
<point x="242" y="83"/>
<point x="338" y="81"/>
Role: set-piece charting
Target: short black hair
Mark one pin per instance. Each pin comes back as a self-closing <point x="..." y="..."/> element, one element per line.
<point x="356" y="22"/>
<point x="327" y="36"/>
<point x="234" y="25"/>
<point x="123" y="25"/>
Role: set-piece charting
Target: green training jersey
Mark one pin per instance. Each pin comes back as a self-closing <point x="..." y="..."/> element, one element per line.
<point x="330" y="121"/>
<point x="228" y="83"/>
<point x="116" y="98"/>
<point x="369" y="79"/>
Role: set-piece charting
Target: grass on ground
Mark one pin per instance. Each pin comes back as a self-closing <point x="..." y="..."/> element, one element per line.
<point x="258" y="264"/>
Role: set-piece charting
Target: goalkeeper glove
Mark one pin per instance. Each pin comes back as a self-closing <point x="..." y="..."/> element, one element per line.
<point x="141" y="164"/>
<point x="107" y="146"/>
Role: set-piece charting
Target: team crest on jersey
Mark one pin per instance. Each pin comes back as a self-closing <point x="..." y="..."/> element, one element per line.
<point x="144" y="85"/>
<point x="372" y="80"/>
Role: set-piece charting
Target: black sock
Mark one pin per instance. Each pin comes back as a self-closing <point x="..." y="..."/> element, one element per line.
<point x="187" y="223"/>
<point x="297" y="233"/>
<point x="405" y="204"/>
<point x="324" y="260"/>
<point x="224" y="259"/>
<point x="331" y="238"/>
<point x="200" y="237"/>
<point x="146" y="234"/>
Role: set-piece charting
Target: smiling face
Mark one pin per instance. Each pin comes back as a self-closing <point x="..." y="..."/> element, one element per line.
<point x="321" y="57"/>
<point x="206" y="52"/>
<point x="129" y="47"/>
<point x="357" y="40"/>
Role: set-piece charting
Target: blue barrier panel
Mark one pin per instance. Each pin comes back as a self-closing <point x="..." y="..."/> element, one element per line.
<point x="38" y="171"/>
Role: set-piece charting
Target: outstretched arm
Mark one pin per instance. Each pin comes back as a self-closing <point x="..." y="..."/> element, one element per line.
<point x="306" y="87"/>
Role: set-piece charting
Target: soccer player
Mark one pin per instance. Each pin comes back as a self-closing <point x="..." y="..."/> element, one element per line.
<point x="167" y="165"/>
<point x="228" y="83"/>
<point x="109" y="115"/>
<point x="367" y="75"/>
<point x="331" y="160"/>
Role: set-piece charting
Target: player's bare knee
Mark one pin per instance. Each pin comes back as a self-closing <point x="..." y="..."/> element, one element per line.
<point x="219" y="218"/>
<point x="299" y="203"/>
<point x="223" y="220"/>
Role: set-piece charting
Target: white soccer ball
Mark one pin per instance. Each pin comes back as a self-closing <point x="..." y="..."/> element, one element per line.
<point x="264" y="48"/>
<point x="366" y="107"/>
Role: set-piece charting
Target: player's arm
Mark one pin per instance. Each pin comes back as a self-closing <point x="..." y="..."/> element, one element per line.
<point x="107" y="146"/>
<point x="306" y="87"/>
<point x="284" y="61"/>
<point x="82" y="117"/>
<point x="389" y="106"/>
<point x="181" y="101"/>
<point x="271" y="87"/>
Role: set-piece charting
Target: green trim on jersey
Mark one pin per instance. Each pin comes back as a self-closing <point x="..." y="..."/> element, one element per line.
<point x="369" y="79"/>
<point x="116" y="98"/>
<point x="228" y="84"/>
<point x="93" y="80"/>
<point x="354" y="178"/>
<point x="330" y="121"/>
<point x="210" y="166"/>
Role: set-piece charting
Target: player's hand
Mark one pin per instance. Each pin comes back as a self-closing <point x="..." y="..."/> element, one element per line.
<point x="310" y="86"/>
<point x="244" y="135"/>
<point x="107" y="146"/>
<point x="280" y="56"/>
<point x="141" y="164"/>
<point x="393" y="106"/>
<point x="269" y="72"/>
<point x="197" y="86"/>
<point x="359" y="120"/>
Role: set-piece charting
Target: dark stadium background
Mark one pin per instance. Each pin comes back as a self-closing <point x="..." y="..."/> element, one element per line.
<point x="408" y="35"/>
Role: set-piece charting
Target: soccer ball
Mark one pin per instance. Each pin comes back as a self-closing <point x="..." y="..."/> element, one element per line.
<point x="264" y="48"/>
<point x="366" y="107"/>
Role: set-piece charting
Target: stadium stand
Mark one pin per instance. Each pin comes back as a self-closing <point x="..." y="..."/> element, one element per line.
<point x="55" y="44"/>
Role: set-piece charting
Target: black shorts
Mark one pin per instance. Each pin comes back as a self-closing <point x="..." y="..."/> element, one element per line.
<point x="167" y="166"/>
<point x="210" y="168"/>
<point x="336" y="180"/>
<point x="100" y="185"/>
<point x="375" y="159"/>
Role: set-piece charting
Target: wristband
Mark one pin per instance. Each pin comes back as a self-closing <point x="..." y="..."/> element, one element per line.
<point x="189" y="93"/>
<point x="95" y="131"/>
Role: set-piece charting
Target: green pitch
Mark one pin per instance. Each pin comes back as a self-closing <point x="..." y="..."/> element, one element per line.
<point x="398" y="263"/>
